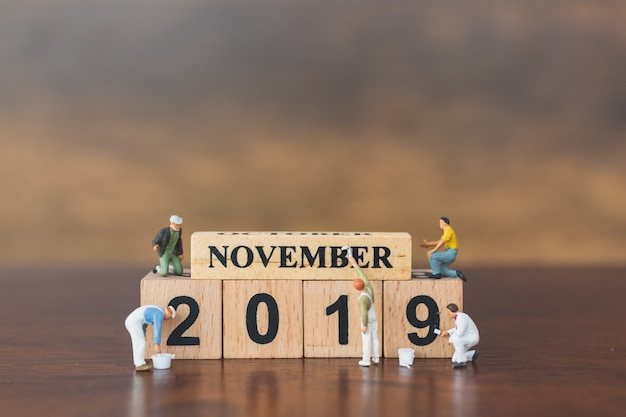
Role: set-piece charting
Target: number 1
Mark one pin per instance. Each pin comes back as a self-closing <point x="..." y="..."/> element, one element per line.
<point x="341" y="307"/>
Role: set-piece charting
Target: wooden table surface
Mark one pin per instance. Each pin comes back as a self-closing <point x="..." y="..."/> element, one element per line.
<point x="553" y="342"/>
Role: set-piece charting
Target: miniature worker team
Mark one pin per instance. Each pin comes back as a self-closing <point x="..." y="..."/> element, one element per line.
<point x="168" y="244"/>
<point x="369" y="323"/>
<point x="440" y="260"/>
<point x="137" y="323"/>
<point x="464" y="336"/>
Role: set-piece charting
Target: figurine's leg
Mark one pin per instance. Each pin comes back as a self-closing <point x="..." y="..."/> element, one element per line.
<point x="366" y="339"/>
<point x="138" y="340"/>
<point x="445" y="259"/>
<point x="435" y="262"/>
<point x="139" y="350"/>
<point x="445" y="272"/>
<point x="165" y="261"/>
<point x="176" y="264"/>
<point x="460" y="350"/>
<point x="375" y="342"/>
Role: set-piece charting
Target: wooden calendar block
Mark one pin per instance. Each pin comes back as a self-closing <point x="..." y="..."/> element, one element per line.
<point x="196" y="331"/>
<point x="298" y="255"/>
<point x="332" y="319"/>
<point x="263" y="319"/>
<point x="413" y="309"/>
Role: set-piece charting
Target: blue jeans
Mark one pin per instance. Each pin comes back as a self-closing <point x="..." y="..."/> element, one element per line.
<point x="439" y="262"/>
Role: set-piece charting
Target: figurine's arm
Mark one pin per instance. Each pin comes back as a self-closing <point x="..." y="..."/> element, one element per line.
<point x="462" y="324"/>
<point x="438" y="245"/>
<point x="157" y="239"/>
<point x="426" y="244"/>
<point x="447" y="234"/>
<point x="362" y="275"/>
<point x="448" y="332"/>
<point x="364" y="302"/>
<point x="155" y="317"/>
<point x="364" y="306"/>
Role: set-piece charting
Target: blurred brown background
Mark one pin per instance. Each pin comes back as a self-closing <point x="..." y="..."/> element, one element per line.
<point x="509" y="117"/>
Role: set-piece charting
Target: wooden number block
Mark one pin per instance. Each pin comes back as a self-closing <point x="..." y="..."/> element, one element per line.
<point x="413" y="309"/>
<point x="332" y="319"/>
<point x="196" y="331"/>
<point x="263" y="319"/>
<point x="298" y="255"/>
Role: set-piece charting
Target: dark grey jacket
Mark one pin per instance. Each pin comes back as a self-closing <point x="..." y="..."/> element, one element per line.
<point x="162" y="239"/>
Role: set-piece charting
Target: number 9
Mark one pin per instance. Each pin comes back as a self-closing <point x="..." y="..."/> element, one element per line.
<point x="432" y="321"/>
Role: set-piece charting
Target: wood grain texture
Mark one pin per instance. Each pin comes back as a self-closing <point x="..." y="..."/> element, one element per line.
<point x="298" y="255"/>
<point x="65" y="353"/>
<point x="397" y="327"/>
<point x="321" y="330"/>
<point x="208" y="324"/>
<point x="244" y="312"/>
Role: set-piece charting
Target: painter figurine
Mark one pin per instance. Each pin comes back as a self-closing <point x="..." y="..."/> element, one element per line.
<point x="369" y="324"/>
<point x="168" y="244"/>
<point x="464" y="336"/>
<point x="440" y="260"/>
<point x="137" y="323"/>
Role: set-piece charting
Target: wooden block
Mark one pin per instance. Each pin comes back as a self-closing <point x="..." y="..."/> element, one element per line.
<point x="298" y="255"/>
<point x="196" y="331"/>
<point x="263" y="319"/>
<point x="412" y="310"/>
<point x="332" y="320"/>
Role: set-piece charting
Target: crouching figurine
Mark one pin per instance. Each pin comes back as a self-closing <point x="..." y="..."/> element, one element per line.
<point x="137" y="322"/>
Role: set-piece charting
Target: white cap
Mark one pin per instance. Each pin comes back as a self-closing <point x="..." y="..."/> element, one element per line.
<point x="173" y="310"/>
<point x="176" y="219"/>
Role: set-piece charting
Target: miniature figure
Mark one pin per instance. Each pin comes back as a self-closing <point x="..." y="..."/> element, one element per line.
<point x="463" y="336"/>
<point x="168" y="244"/>
<point x="136" y="324"/>
<point x="369" y="324"/>
<point x="439" y="261"/>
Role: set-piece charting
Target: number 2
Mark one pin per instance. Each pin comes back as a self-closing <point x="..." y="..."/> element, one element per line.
<point x="176" y="337"/>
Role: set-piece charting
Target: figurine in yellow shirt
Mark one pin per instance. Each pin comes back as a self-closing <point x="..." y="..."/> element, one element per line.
<point x="440" y="259"/>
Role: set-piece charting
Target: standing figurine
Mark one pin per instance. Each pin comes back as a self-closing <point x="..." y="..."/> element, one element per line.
<point x="168" y="244"/>
<point x="463" y="336"/>
<point x="137" y="322"/>
<point x="439" y="261"/>
<point x="369" y="324"/>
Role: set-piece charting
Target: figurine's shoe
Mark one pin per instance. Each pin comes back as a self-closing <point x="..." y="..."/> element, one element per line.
<point x="461" y="275"/>
<point x="475" y="356"/>
<point x="364" y="363"/>
<point x="434" y="276"/>
<point x="156" y="269"/>
<point x="375" y="360"/>
<point x="144" y="367"/>
<point x="459" y="364"/>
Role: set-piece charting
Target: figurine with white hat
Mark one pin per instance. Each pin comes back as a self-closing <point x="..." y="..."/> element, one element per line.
<point x="168" y="244"/>
<point x="136" y="324"/>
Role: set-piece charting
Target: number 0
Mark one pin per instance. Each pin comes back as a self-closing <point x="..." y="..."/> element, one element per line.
<point x="273" y="318"/>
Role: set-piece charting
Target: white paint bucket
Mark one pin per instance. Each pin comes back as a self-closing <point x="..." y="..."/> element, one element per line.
<point x="162" y="360"/>
<point x="405" y="356"/>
